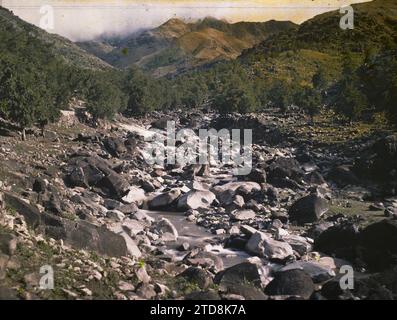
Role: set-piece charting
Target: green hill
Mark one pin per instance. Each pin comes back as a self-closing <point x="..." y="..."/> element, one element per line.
<point x="14" y="33"/>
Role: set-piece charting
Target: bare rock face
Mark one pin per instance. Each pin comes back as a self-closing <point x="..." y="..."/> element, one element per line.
<point x="196" y="199"/>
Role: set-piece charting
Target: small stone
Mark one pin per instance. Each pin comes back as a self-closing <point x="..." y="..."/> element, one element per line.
<point x="241" y="215"/>
<point x="142" y="275"/>
<point x="115" y="215"/>
<point x="126" y="286"/>
<point x="184" y="246"/>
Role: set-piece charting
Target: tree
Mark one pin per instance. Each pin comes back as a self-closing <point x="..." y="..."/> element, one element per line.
<point x="104" y="100"/>
<point x="319" y="79"/>
<point x="144" y="94"/>
<point x="24" y="97"/>
<point x="280" y="96"/>
<point x="310" y="100"/>
<point x="350" y="100"/>
<point x="235" y="97"/>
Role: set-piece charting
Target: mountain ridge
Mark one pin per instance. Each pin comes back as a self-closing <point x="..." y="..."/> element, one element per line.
<point x="179" y="45"/>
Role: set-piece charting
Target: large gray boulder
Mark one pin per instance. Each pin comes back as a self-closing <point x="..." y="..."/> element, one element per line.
<point x="308" y="209"/>
<point x="196" y="199"/>
<point x="315" y="270"/>
<point x="85" y="235"/>
<point x="165" y="200"/>
<point x="263" y="245"/>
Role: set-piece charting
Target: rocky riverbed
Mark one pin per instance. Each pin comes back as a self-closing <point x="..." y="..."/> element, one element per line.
<point x="319" y="199"/>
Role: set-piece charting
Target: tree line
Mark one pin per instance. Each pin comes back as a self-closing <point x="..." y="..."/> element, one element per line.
<point x="36" y="85"/>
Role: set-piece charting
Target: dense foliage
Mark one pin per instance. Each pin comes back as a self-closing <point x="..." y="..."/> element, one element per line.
<point x="295" y="68"/>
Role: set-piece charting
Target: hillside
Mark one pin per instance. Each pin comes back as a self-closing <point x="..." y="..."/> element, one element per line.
<point x="177" y="45"/>
<point x="14" y="32"/>
<point x="295" y="55"/>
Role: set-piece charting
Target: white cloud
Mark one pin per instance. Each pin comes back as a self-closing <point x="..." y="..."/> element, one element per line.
<point x="83" y="20"/>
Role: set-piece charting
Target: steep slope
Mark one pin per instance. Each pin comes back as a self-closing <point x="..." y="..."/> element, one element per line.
<point x="177" y="45"/>
<point x="13" y="29"/>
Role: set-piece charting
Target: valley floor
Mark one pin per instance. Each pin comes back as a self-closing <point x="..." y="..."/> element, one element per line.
<point x="83" y="203"/>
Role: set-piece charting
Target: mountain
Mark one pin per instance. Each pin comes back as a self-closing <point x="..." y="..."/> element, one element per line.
<point x="14" y="32"/>
<point x="177" y="45"/>
<point x="296" y="54"/>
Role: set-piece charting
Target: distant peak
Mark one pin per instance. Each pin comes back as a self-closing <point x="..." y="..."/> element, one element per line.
<point x="174" y="21"/>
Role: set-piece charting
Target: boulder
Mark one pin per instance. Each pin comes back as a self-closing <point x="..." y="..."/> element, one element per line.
<point x="115" y="215"/>
<point x="166" y="229"/>
<point x="292" y="283"/>
<point x="133" y="227"/>
<point x="242" y="215"/>
<point x="30" y="212"/>
<point x="263" y="245"/>
<point x="245" y="272"/>
<point x="196" y="199"/>
<point x="114" y="185"/>
<point x="340" y="240"/>
<point x="282" y="168"/>
<point x="115" y="146"/>
<point x="232" y="187"/>
<point x="135" y="195"/>
<point x="257" y="175"/>
<point x="197" y="276"/>
<point x="204" y="259"/>
<point x="165" y="200"/>
<point x="315" y="270"/>
<point x="379" y="241"/>
<point x="8" y="243"/>
<point x="298" y="243"/>
<point x="93" y="171"/>
<point x="308" y="209"/>
<point x="343" y="176"/>
<point x="84" y="235"/>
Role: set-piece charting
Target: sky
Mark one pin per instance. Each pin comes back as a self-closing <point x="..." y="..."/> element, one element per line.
<point x="81" y="20"/>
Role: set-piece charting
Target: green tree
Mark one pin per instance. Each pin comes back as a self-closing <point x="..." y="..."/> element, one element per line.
<point x="104" y="100"/>
<point x="310" y="100"/>
<point x="24" y="97"/>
